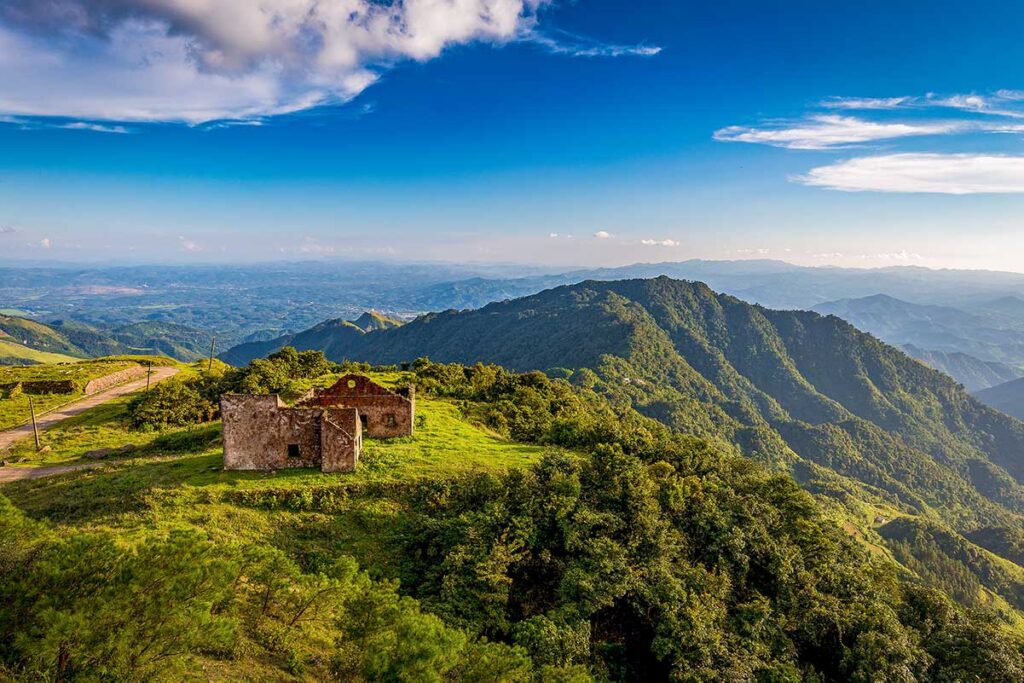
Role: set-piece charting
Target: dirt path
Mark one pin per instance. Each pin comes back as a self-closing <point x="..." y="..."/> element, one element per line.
<point x="50" y="419"/>
<point x="9" y="474"/>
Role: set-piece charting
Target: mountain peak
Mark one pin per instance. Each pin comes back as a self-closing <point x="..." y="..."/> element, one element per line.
<point x="374" y="320"/>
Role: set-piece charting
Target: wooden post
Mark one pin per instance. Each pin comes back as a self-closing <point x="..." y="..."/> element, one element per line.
<point x="149" y="373"/>
<point x="35" y="428"/>
<point x="213" y="349"/>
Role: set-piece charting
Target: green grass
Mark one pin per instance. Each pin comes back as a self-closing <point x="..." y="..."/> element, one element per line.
<point x="14" y="350"/>
<point x="79" y="371"/>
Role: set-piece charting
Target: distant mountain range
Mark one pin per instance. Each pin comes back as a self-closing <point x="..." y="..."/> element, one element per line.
<point x="969" y="324"/>
<point x="973" y="373"/>
<point x="237" y="301"/>
<point x="853" y="419"/>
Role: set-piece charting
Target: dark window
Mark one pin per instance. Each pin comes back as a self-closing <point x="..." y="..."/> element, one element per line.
<point x="293" y="450"/>
<point x="390" y="421"/>
<point x="362" y="418"/>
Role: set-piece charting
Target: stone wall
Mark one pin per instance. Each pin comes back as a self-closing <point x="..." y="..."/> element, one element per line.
<point x="262" y="433"/>
<point x="113" y="379"/>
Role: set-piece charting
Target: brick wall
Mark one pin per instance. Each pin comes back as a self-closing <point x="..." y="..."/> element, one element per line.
<point x="384" y="414"/>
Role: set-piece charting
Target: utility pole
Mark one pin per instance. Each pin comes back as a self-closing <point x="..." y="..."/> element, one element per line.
<point x="213" y="349"/>
<point x="35" y="428"/>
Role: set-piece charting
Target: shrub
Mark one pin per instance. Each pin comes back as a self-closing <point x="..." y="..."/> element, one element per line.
<point x="172" y="403"/>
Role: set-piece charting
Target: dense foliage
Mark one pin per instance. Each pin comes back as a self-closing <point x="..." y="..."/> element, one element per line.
<point x="668" y="557"/>
<point x="91" y="609"/>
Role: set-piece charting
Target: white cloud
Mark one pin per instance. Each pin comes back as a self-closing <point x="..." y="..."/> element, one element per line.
<point x="552" y="235"/>
<point x="999" y="104"/>
<point x="761" y="251"/>
<point x="866" y="103"/>
<point x="933" y="173"/>
<point x="660" y="243"/>
<point x="45" y="243"/>
<point x="7" y="230"/>
<point x="196" y="61"/>
<point x="603" y="235"/>
<point x="831" y="131"/>
<point x="310" y="245"/>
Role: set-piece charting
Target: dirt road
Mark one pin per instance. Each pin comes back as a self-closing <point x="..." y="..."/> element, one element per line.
<point x="8" y="474"/>
<point x="50" y="419"/>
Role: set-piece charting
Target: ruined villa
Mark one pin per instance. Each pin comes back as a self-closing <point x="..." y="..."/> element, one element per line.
<point x="323" y="429"/>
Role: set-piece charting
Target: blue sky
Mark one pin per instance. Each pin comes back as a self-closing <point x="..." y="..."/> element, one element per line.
<point x="536" y="131"/>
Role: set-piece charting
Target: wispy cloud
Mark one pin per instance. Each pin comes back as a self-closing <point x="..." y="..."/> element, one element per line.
<point x="94" y="127"/>
<point x="956" y="174"/>
<point x="826" y="131"/>
<point x="901" y="256"/>
<point x="999" y="103"/>
<point x="564" y="43"/>
<point x="660" y="243"/>
<point x="865" y="103"/>
<point x="7" y="230"/>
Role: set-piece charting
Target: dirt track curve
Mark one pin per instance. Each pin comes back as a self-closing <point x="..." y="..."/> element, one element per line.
<point x="50" y="419"/>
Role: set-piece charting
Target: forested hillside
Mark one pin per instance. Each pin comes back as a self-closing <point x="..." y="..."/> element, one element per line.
<point x="854" y="420"/>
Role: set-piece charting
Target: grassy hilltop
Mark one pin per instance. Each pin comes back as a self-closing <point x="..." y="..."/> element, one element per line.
<point x="529" y="531"/>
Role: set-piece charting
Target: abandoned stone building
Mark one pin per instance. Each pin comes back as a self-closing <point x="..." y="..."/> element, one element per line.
<point x="324" y="429"/>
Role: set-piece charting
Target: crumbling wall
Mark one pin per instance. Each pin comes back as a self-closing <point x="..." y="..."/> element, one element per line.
<point x="261" y="433"/>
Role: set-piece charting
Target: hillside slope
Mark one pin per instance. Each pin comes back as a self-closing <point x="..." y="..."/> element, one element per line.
<point x="852" y="418"/>
<point x="479" y="549"/>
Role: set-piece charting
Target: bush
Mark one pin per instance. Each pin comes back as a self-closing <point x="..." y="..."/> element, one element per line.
<point x="172" y="403"/>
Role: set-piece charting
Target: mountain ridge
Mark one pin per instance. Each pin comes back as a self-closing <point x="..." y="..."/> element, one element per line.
<point x="806" y="393"/>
